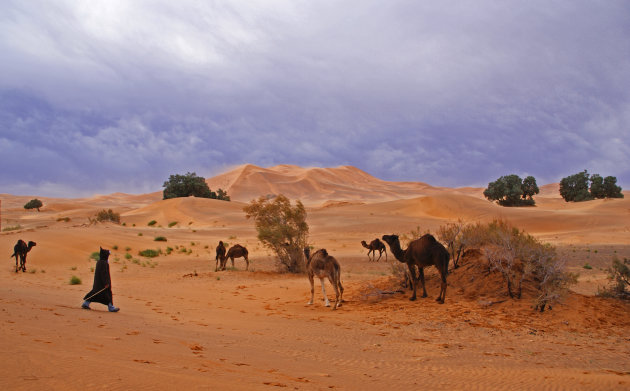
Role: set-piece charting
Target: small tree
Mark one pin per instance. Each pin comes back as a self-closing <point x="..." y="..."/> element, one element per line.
<point x="597" y="186"/>
<point x="222" y="195"/>
<point x="190" y="185"/>
<point x="611" y="190"/>
<point x="575" y="187"/>
<point x="509" y="190"/>
<point x="33" y="204"/>
<point x="281" y="228"/>
<point x="619" y="276"/>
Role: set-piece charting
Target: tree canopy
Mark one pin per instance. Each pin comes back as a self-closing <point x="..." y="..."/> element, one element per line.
<point x="34" y="204"/>
<point x="191" y="185"/>
<point x="511" y="190"/>
<point x="282" y="228"/>
<point x="582" y="187"/>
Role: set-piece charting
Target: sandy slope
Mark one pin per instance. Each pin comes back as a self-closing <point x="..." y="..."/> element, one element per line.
<point x="184" y="325"/>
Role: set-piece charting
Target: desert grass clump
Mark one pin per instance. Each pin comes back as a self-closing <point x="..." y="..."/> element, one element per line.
<point x="74" y="280"/>
<point x="172" y="223"/>
<point x="619" y="277"/>
<point x="150" y="253"/>
<point x="95" y="256"/>
<point x="128" y="256"/>
<point x="106" y="215"/>
<point x="12" y="228"/>
<point x="159" y="239"/>
<point x="151" y="223"/>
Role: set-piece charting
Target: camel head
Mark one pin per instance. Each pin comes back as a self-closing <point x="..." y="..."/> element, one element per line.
<point x="391" y="239"/>
<point x="31" y="244"/>
<point x="364" y="244"/>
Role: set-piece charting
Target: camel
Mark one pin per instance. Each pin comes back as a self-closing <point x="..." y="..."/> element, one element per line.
<point x="322" y="265"/>
<point x="422" y="252"/>
<point x="20" y="250"/>
<point x="236" y="251"/>
<point x="374" y="246"/>
<point x="220" y="255"/>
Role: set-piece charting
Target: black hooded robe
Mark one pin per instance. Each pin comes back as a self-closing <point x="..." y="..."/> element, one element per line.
<point x="101" y="280"/>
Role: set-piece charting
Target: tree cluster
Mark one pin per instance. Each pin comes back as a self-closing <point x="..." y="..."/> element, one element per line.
<point x="511" y="190"/>
<point x="191" y="185"/>
<point x="282" y="228"/>
<point x="584" y="187"/>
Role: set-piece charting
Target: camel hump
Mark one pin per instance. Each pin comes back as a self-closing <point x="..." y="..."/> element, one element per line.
<point x="323" y="252"/>
<point x="429" y="237"/>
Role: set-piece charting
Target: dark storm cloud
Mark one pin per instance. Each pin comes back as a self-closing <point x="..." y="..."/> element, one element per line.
<point x="103" y="96"/>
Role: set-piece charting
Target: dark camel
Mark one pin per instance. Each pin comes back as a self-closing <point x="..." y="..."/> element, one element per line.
<point x="422" y="252"/>
<point x="220" y="255"/>
<point x="236" y="251"/>
<point x="322" y="265"/>
<point x="20" y="250"/>
<point x="374" y="246"/>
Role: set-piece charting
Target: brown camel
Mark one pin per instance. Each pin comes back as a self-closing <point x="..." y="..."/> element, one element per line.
<point x="220" y="255"/>
<point x="374" y="246"/>
<point x="20" y="250"/>
<point x="422" y="252"/>
<point x="236" y="251"/>
<point x="322" y="265"/>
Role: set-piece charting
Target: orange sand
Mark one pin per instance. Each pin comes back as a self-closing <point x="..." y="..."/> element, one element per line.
<point x="182" y="325"/>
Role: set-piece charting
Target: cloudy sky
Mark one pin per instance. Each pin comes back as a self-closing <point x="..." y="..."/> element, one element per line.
<point x="106" y="96"/>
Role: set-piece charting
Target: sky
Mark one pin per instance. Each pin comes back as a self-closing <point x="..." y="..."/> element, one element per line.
<point x="103" y="96"/>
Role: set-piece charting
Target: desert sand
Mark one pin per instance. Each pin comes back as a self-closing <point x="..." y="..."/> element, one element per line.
<point x="184" y="326"/>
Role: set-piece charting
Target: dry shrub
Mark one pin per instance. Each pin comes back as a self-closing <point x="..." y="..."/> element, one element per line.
<point x="619" y="276"/>
<point x="106" y="215"/>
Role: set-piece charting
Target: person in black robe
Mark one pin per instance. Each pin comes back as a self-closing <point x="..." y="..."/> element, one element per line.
<point x="102" y="289"/>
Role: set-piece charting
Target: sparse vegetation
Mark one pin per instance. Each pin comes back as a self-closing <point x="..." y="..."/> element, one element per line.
<point x="172" y="223"/>
<point x="619" y="277"/>
<point x="95" y="256"/>
<point x="150" y="253"/>
<point x="106" y="215"/>
<point x="12" y="228"/>
<point x="159" y="239"/>
<point x="74" y="280"/>
<point x="64" y="219"/>
<point x="151" y="223"/>
<point x="282" y="228"/>
<point x="34" y="204"/>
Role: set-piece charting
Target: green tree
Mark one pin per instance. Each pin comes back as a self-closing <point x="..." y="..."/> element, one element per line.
<point x="575" y="187"/>
<point x="189" y="185"/>
<point x="611" y="189"/>
<point x="530" y="188"/>
<point x="282" y="228"/>
<point x="33" y="204"/>
<point x="222" y="195"/>
<point x="597" y="186"/>
<point x="509" y="190"/>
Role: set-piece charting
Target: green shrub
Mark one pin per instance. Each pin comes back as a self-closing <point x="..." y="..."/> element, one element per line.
<point x="128" y="256"/>
<point x="74" y="280"/>
<point x="587" y="266"/>
<point x="151" y="223"/>
<point x="115" y="247"/>
<point x="12" y="228"/>
<point x="34" y="204"/>
<point x="150" y="253"/>
<point x="159" y="239"/>
<point x="172" y="223"/>
<point x="95" y="256"/>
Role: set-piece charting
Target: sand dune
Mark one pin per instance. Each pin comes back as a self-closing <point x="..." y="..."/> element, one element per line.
<point x="182" y="325"/>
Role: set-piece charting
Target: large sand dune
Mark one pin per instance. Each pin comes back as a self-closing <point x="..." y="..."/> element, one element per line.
<point x="182" y="325"/>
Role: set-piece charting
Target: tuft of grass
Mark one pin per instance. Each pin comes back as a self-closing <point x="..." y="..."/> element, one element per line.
<point x="12" y="228"/>
<point x="43" y="271"/>
<point x="587" y="266"/>
<point x="73" y="268"/>
<point x="95" y="256"/>
<point x="127" y="248"/>
<point x="128" y="256"/>
<point x="159" y="239"/>
<point x="169" y="250"/>
<point x="115" y="247"/>
<point x="74" y="280"/>
<point x="139" y="233"/>
<point x="151" y="223"/>
<point x="172" y="223"/>
<point x="150" y="253"/>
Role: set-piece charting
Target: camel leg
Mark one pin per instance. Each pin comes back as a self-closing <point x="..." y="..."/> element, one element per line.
<point x="442" y="296"/>
<point x="414" y="280"/>
<point x="334" y="284"/>
<point x="246" y="260"/>
<point x="216" y="264"/>
<point x="421" y="278"/>
<point x="16" y="263"/>
<point x="310" y="278"/>
<point x="321" y="280"/>
<point x="232" y="259"/>
<point x="380" y="254"/>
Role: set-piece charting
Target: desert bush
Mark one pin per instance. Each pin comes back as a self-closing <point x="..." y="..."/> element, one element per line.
<point x="282" y="228"/>
<point x="457" y="236"/>
<point x="619" y="276"/>
<point x="191" y="185"/>
<point x="95" y="256"/>
<point x="74" y="280"/>
<point x="149" y="253"/>
<point x="159" y="239"/>
<point x="172" y="223"/>
<point x="34" y="204"/>
<point x="106" y="215"/>
<point x="151" y="223"/>
<point x="12" y="228"/>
